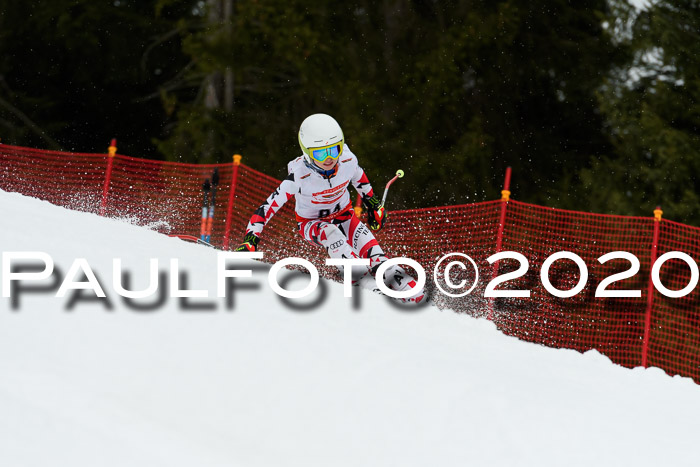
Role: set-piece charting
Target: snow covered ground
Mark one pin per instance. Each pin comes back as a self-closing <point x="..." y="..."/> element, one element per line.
<point x="256" y="382"/>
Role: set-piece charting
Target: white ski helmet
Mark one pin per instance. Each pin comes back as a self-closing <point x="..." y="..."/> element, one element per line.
<point x="321" y="137"/>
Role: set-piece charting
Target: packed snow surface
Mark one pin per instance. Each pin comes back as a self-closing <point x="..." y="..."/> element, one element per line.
<point x="250" y="380"/>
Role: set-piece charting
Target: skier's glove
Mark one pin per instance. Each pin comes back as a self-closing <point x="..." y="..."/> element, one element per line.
<point x="376" y="216"/>
<point x="250" y="243"/>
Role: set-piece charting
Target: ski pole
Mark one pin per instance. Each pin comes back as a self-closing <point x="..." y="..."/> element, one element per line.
<point x="399" y="174"/>
<point x="205" y="205"/>
<point x="210" y="223"/>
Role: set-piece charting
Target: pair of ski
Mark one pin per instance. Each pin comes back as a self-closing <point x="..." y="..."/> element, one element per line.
<point x="208" y="207"/>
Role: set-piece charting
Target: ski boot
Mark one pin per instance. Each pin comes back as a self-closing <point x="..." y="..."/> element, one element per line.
<point x="399" y="280"/>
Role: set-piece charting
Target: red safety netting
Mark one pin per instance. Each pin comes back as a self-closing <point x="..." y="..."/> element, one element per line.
<point x="614" y="326"/>
<point x="655" y="330"/>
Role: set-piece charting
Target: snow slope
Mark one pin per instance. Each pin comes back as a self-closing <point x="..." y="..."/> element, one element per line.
<point x="265" y="384"/>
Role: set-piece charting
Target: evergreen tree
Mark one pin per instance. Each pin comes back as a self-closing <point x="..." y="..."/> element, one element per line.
<point x="652" y="109"/>
<point x="75" y="73"/>
<point x="450" y="91"/>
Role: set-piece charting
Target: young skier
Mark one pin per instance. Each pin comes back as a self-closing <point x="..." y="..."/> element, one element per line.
<point x="318" y="181"/>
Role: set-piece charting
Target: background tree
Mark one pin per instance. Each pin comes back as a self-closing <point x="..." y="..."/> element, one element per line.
<point x="451" y="91"/>
<point x="652" y="110"/>
<point x="75" y="73"/>
<point x="593" y="103"/>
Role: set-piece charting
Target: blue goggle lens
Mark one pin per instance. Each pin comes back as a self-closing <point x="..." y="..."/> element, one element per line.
<point x="322" y="154"/>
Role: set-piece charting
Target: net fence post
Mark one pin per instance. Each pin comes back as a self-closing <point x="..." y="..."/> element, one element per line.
<point x="112" y="151"/>
<point x="358" y="206"/>
<point x="650" y="287"/>
<point x="505" y="197"/>
<point x="231" y="196"/>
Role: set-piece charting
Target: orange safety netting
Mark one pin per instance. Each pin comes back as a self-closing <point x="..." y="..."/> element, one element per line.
<point x="653" y="330"/>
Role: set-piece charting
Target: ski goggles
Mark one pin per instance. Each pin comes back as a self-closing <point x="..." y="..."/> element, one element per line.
<point x="333" y="151"/>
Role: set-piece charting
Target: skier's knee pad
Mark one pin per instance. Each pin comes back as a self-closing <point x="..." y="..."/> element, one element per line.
<point x="396" y="278"/>
<point x="335" y="242"/>
<point x="338" y="247"/>
<point x="392" y="272"/>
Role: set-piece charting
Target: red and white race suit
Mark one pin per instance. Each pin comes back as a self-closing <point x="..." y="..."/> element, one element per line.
<point x="325" y="216"/>
<point x="323" y="208"/>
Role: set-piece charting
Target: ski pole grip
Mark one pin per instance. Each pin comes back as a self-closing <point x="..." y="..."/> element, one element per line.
<point x="399" y="174"/>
